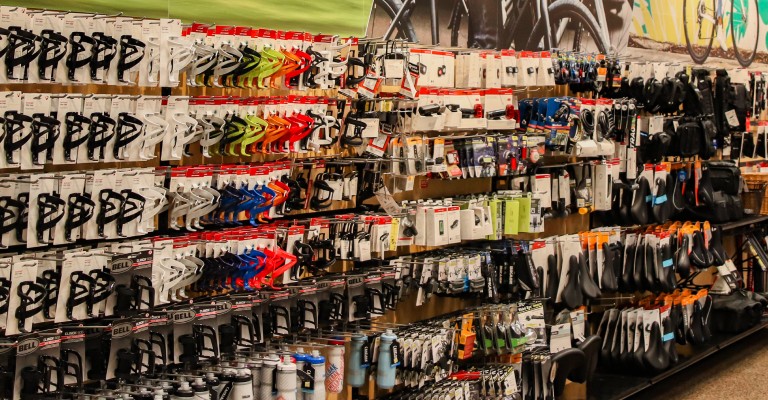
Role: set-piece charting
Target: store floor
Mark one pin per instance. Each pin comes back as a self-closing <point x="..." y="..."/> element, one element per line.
<point x="737" y="372"/>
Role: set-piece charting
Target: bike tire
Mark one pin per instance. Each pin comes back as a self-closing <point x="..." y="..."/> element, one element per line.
<point x="568" y="9"/>
<point x="404" y="28"/>
<point x="697" y="57"/>
<point x="745" y="60"/>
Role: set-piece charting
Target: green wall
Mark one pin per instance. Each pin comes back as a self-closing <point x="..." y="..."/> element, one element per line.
<point x="342" y="17"/>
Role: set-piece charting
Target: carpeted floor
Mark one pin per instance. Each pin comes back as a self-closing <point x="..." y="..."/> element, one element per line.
<point x="737" y="372"/>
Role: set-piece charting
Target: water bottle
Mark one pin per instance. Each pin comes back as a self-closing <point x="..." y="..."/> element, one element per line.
<point x="356" y="373"/>
<point x="267" y="367"/>
<point x="213" y="382"/>
<point x="184" y="392"/>
<point x="255" y="365"/>
<point x="301" y="358"/>
<point x="200" y="388"/>
<point x="385" y="372"/>
<point x="334" y="369"/>
<point x="286" y="380"/>
<point x="317" y="362"/>
<point x="242" y="388"/>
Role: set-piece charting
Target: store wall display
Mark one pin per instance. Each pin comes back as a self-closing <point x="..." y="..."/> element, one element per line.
<point x="240" y="212"/>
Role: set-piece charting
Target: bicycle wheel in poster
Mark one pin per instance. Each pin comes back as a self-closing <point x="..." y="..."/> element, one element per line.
<point x="572" y="27"/>
<point x="404" y="28"/>
<point x="745" y="30"/>
<point x="699" y="25"/>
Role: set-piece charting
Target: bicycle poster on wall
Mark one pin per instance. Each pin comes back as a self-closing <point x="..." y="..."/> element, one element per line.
<point x="730" y="29"/>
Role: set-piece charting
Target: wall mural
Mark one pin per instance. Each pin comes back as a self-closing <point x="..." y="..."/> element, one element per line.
<point x="589" y="25"/>
<point x="722" y="28"/>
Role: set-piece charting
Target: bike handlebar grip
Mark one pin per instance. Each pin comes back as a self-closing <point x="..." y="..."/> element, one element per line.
<point x="356" y="372"/>
<point x="334" y="370"/>
<point x="385" y="371"/>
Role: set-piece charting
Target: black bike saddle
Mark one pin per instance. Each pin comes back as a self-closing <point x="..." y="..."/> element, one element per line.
<point x="716" y="247"/>
<point x="526" y="272"/>
<point x="625" y="211"/>
<point x="608" y="281"/>
<point x="699" y="255"/>
<point x="655" y="358"/>
<point x="661" y="204"/>
<point x="591" y="349"/>
<point x="667" y="278"/>
<point x="568" y="361"/>
<point x="650" y="278"/>
<point x="695" y="332"/>
<point x="610" y="318"/>
<point x="588" y="285"/>
<point x="627" y="280"/>
<point x="638" y="274"/>
<point x="639" y="353"/>
<point x="682" y="261"/>
<point x="572" y="294"/>
<point x="675" y="193"/>
<point x="640" y="202"/>
<point x="552" y="277"/>
<point x="668" y="340"/>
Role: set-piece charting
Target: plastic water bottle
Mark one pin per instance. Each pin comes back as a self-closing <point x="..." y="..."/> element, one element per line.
<point x="385" y="372"/>
<point x="356" y="373"/>
<point x="318" y="364"/>
<point x="286" y="380"/>
<point x="334" y="369"/>
<point x="267" y="367"/>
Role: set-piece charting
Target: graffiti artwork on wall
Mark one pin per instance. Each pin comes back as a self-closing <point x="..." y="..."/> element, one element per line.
<point x="723" y="28"/>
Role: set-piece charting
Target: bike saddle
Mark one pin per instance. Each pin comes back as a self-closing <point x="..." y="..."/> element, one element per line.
<point x="588" y="285"/>
<point x="625" y="210"/>
<point x="667" y="278"/>
<point x="608" y="281"/>
<point x="639" y="267"/>
<point x="676" y="315"/>
<point x="675" y="194"/>
<point x="639" y="353"/>
<point x="616" y="340"/>
<point x="591" y="349"/>
<point x="655" y="358"/>
<point x="699" y="255"/>
<point x="662" y="209"/>
<point x="552" y="277"/>
<point x="650" y="275"/>
<point x="611" y="318"/>
<point x="705" y="194"/>
<point x="716" y="247"/>
<point x="568" y="361"/>
<point x="705" y="312"/>
<point x="572" y="294"/>
<point x="668" y="341"/>
<point x="695" y="332"/>
<point x="525" y="272"/>
<point x="627" y="278"/>
<point x="627" y="351"/>
<point x="640" y="202"/>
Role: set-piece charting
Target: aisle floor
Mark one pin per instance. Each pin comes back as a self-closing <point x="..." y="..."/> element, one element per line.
<point x="737" y="372"/>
